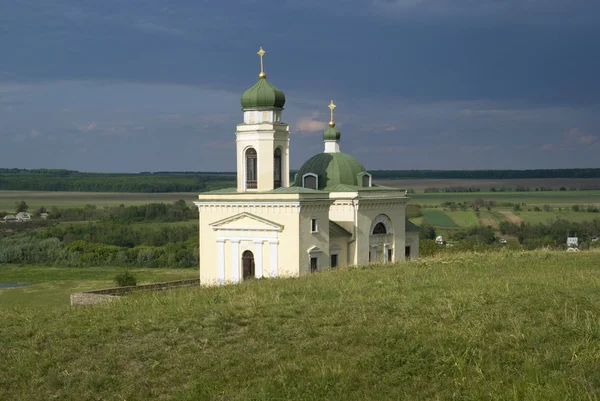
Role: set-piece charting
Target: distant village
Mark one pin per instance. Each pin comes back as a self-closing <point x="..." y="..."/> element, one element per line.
<point x="21" y="217"/>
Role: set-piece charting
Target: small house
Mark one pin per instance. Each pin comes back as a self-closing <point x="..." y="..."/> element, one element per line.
<point x="22" y="216"/>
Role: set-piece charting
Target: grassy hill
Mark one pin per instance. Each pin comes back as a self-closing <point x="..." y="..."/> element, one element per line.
<point x="518" y="326"/>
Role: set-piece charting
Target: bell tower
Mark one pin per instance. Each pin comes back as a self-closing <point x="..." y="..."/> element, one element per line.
<point x="263" y="140"/>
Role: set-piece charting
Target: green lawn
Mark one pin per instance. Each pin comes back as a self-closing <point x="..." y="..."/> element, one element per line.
<point x="50" y="287"/>
<point x="437" y="218"/>
<point x="506" y="326"/>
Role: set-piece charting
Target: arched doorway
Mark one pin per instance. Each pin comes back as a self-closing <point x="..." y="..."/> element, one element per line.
<point x="247" y="265"/>
<point x="381" y="240"/>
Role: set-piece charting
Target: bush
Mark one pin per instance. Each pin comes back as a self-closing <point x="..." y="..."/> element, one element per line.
<point x="125" y="279"/>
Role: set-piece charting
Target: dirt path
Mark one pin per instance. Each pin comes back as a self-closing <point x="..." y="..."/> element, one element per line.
<point x="513" y="218"/>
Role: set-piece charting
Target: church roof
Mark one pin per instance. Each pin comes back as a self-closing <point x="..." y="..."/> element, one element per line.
<point x="356" y="188"/>
<point x="281" y="190"/>
<point x="335" y="230"/>
<point x="411" y="227"/>
<point x="332" y="169"/>
<point x="262" y="94"/>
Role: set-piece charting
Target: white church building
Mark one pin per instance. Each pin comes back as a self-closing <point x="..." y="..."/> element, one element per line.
<point x="331" y="215"/>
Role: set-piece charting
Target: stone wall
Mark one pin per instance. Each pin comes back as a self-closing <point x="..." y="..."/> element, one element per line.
<point x="110" y="294"/>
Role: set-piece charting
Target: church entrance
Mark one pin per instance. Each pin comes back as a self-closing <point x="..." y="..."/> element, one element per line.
<point x="381" y="240"/>
<point x="247" y="265"/>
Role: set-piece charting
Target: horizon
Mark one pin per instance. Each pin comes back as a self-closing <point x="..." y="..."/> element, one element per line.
<point x="109" y="88"/>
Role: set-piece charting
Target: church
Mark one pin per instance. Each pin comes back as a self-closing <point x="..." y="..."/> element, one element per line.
<point x="330" y="215"/>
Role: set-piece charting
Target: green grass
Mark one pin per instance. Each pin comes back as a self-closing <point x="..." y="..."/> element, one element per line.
<point x="437" y="218"/>
<point x="463" y="218"/>
<point x="50" y="287"/>
<point x="506" y="326"/>
<point x="545" y="217"/>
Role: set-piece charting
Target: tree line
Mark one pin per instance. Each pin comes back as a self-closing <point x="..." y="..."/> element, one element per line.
<point x="69" y="180"/>
<point x="112" y="240"/>
<point x="488" y="174"/>
<point x="166" y="212"/>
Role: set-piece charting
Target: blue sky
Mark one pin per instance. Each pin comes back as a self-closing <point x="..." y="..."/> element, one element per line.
<point x="150" y="85"/>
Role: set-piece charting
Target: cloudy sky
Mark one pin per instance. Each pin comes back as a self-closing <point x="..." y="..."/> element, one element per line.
<point x="150" y="85"/>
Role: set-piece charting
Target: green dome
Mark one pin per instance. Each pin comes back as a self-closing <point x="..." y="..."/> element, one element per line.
<point x="262" y="94"/>
<point x="332" y="134"/>
<point x="332" y="169"/>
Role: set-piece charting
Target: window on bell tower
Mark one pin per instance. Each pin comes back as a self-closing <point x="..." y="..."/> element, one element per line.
<point x="265" y="116"/>
<point x="251" y="169"/>
<point x="277" y="168"/>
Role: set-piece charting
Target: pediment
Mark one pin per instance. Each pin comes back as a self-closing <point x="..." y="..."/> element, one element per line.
<point x="246" y="221"/>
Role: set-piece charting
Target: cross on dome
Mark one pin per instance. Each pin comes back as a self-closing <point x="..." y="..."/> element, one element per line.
<point x="331" y="106"/>
<point x="261" y="52"/>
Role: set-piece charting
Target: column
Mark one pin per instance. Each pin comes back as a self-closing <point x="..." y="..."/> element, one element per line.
<point x="221" y="261"/>
<point x="385" y="254"/>
<point x="373" y="254"/>
<point x="273" y="246"/>
<point x="258" y="263"/>
<point x="235" y="261"/>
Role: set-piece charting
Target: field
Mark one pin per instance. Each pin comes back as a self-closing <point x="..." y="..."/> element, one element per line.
<point x="36" y="199"/>
<point x="444" y="219"/>
<point x="485" y="184"/>
<point x="50" y="286"/>
<point x="438" y="218"/>
<point x="447" y="219"/>
<point x="502" y="326"/>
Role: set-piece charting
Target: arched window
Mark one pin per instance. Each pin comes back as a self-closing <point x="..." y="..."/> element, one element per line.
<point x="251" y="169"/>
<point x="310" y="180"/>
<point x="277" y="168"/>
<point x="379" y="229"/>
<point x="248" y="265"/>
<point x="366" y="180"/>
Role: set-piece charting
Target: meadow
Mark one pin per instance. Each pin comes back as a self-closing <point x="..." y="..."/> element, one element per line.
<point x="50" y="287"/>
<point x="501" y="326"/>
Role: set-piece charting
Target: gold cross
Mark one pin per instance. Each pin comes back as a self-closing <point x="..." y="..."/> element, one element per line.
<point x="331" y="107"/>
<point x="261" y="53"/>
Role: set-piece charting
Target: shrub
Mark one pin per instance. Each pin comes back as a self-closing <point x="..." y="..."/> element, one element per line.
<point x="125" y="279"/>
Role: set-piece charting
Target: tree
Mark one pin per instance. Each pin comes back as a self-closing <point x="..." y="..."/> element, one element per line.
<point x="427" y="232"/>
<point x="21" y="206"/>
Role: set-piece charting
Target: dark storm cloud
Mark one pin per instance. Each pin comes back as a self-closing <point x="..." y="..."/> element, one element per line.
<point x="479" y="77"/>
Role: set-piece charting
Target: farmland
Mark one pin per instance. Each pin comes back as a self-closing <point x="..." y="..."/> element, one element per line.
<point x="506" y="325"/>
<point x="557" y="203"/>
<point x="37" y="199"/>
<point x="485" y="184"/>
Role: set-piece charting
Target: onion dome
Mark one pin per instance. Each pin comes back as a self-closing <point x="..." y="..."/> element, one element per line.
<point x="263" y="94"/>
<point x="332" y="134"/>
<point x="332" y="169"/>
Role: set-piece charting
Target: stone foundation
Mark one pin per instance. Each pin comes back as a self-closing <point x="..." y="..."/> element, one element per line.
<point x="110" y="294"/>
